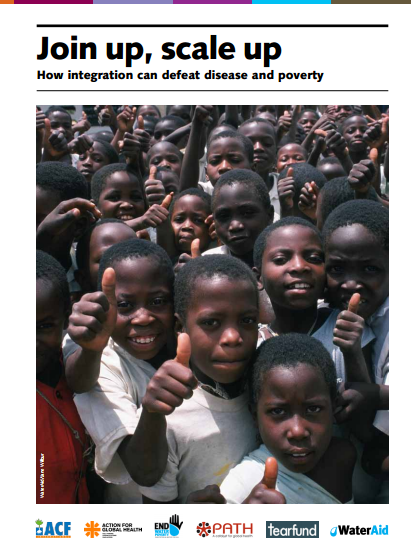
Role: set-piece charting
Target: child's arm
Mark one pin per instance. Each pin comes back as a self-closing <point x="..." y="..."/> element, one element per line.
<point x="178" y="134"/>
<point x="286" y="192"/>
<point x="265" y="492"/>
<point x="190" y="170"/>
<point x="145" y="453"/>
<point x="56" y="232"/>
<point x="231" y="115"/>
<point x="107" y="117"/>
<point x="125" y="122"/>
<point x="337" y="144"/>
<point x="347" y="336"/>
<point x="91" y="324"/>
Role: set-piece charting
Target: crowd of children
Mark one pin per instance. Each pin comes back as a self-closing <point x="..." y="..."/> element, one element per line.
<point x="212" y="304"/>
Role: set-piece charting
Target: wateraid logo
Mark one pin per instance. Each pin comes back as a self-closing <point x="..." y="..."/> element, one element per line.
<point x="347" y="530"/>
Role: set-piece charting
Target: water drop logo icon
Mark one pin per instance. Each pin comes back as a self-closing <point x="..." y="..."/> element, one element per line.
<point x="333" y="531"/>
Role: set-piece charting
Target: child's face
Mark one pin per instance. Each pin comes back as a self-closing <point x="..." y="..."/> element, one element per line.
<point x="265" y="109"/>
<point x="91" y="161"/>
<point x="356" y="262"/>
<point x="239" y="218"/>
<point x="188" y="222"/>
<point x="163" y="129"/>
<point x="60" y="121"/>
<point x="165" y="154"/>
<point x="122" y="198"/>
<point x="147" y="110"/>
<point x="353" y="131"/>
<point x="102" y="238"/>
<point x="223" y="155"/>
<point x="222" y="325"/>
<point x="294" y="415"/>
<point x="289" y="154"/>
<point x="307" y="120"/>
<point x="50" y="323"/>
<point x="263" y="138"/>
<point x="145" y="313"/>
<point x="46" y="201"/>
<point x="293" y="271"/>
<point x="342" y="112"/>
<point x="181" y="111"/>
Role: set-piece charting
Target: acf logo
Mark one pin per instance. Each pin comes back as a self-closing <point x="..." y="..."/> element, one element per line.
<point x="57" y="530"/>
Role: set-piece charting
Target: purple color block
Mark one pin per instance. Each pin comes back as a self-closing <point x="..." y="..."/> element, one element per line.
<point x="134" y="2"/>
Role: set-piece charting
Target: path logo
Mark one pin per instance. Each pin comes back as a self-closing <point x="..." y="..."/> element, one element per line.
<point x="203" y="529"/>
<point x="225" y="530"/>
<point x="57" y="530"/>
<point x="92" y="529"/>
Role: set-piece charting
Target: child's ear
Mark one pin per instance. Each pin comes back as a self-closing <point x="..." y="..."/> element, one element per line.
<point x="179" y="325"/>
<point x="260" y="284"/>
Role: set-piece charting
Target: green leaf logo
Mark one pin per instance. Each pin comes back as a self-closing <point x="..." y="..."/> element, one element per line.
<point x="39" y="522"/>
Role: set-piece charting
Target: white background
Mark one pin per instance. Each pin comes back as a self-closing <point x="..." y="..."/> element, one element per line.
<point x="351" y="59"/>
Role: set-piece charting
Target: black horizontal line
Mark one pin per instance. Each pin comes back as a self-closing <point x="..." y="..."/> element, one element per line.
<point x="207" y="90"/>
<point x="219" y="25"/>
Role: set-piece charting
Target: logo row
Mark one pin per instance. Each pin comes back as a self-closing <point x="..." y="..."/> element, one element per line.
<point x="173" y="527"/>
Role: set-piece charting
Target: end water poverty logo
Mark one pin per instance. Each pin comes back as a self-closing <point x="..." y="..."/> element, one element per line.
<point x="347" y="530"/>
<point x="168" y="529"/>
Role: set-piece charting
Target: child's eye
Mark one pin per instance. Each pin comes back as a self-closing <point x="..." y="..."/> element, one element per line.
<point x="82" y="157"/>
<point x="316" y="259"/>
<point x="250" y="320"/>
<point x="209" y="323"/>
<point x="136" y="197"/>
<point x="123" y="304"/>
<point x="280" y="260"/>
<point x="278" y="411"/>
<point x="113" y="198"/>
<point x="179" y="219"/>
<point x="45" y="326"/>
<point x="199" y="221"/>
<point x="314" y="409"/>
<point x="335" y="269"/>
<point x="371" y="269"/>
<point x="158" y="301"/>
<point x="248" y="213"/>
<point x="213" y="161"/>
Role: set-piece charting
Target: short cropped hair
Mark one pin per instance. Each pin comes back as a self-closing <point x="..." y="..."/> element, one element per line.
<point x="260" y="120"/>
<point x="49" y="270"/>
<point x="261" y="242"/>
<point x="108" y="150"/>
<point x="99" y="179"/>
<point x="136" y="249"/>
<point x="193" y="192"/>
<point x="244" y="140"/>
<point x="207" y="267"/>
<point x="336" y="192"/>
<point x="83" y="245"/>
<point x="53" y="109"/>
<point x="66" y="181"/>
<point x="371" y="215"/>
<point x="288" y="351"/>
<point x="303" y="173"/>
<point x="250" y="179"/>
<point x="179" y="121"/>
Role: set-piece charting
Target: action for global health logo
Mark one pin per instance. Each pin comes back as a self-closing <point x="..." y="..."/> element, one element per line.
<point x="53" y="530"/>
<point x="347" y="530"/>
<point x="168" y="529"/>
<point x="109" y="529"/>
<point x="225" y="530"/>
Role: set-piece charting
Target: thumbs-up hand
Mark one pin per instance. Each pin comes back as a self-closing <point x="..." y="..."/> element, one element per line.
<point x="94" y="317"/>
<point x="125" y="120"/>
<point x="130" y="147"/>
<point x="265" y="492"/>
<point x="142" y="136"/>
<point x="173" y="382"/>
<point x="307" y="202"/>
<point x="336" y="143"/>
<point x="361" y="175"/>
<point x="40" y="121"/>
<point x="286" y="191"/>
<point x="349" y="327"/>
<point x="155" y="191"/>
